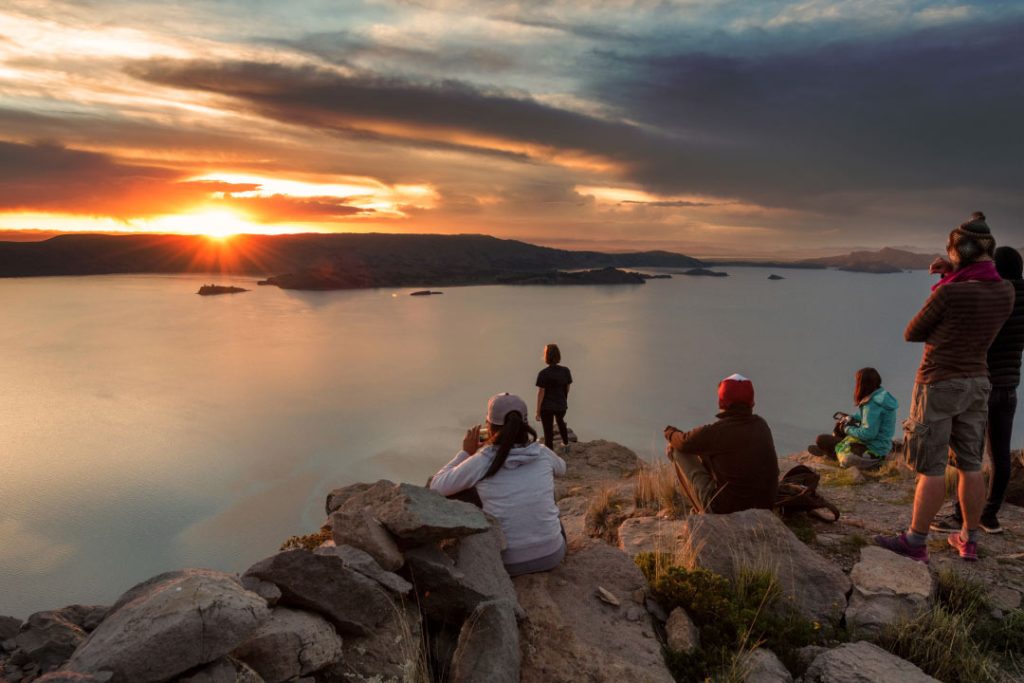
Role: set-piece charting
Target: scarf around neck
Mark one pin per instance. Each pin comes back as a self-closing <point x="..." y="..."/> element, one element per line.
<point x="982" y="271"/>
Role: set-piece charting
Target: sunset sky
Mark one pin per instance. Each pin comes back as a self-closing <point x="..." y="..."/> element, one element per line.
<point x="711" y="127"/>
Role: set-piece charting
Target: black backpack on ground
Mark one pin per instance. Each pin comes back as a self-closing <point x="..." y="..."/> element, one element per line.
<point x="798" y="492"/>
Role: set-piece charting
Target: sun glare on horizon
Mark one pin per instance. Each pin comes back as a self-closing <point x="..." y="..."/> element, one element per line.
<point x="213" y="223"/>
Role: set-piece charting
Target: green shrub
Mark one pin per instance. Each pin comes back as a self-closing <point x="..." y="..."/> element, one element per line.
<point x="731" y="616"/>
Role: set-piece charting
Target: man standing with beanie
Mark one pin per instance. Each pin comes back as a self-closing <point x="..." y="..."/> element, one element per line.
<point x="1004" y="358"/>
<point x="949" y="407"/>
<point x="729" y="465"/>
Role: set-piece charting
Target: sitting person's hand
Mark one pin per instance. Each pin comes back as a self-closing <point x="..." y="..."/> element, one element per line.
<point x="471" y="442"/>
<point x="669" y="431"/>
<point x="940" y="266"/>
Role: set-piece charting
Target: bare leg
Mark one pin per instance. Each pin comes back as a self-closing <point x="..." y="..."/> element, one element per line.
<point x="972" y="497"/>
<point x="928" y="498"/>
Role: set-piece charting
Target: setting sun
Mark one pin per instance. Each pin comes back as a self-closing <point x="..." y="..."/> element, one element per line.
<point x="215" y="223"/>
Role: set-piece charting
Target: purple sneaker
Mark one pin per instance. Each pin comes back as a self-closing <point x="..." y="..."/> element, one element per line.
<point x="968" y="549"/>
<point x="900" y="546"/>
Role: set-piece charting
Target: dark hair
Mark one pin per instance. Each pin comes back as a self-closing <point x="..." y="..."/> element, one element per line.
<point x="1008" y="263"/>
<point x="868" y="382"/>
<point x="515" y="432"/>
<point x="552" y="356"/>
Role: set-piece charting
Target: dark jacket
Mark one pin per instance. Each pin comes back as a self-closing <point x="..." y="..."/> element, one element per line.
<point x="739" y="452"/>
<point x="957" y="324"/>
<point x="1004" y="354"/>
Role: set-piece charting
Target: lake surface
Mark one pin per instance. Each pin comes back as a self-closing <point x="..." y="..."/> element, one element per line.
<point x="144" y="428"/>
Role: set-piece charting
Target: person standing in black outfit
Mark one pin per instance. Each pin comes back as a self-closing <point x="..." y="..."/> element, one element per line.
<point x="552" y="396"/>
<point x="1004" y="360"/>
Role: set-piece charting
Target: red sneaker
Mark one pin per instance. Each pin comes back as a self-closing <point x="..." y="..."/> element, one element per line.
<point x="900" y="546"/>
<point x="968" y="549"/>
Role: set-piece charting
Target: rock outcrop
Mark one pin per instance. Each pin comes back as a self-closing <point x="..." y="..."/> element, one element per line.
<point x="290" y="644"/>
<point x="762" y="666"/>
<point x="170" y="624"/>
<point x="886" y="589"/>
<point x="862" y="662"/>
<point x="751" y="539"/>
<point x="488" y="646"/>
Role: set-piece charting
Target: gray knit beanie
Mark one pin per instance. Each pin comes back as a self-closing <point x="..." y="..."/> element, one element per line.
<point x="971" y="241"/>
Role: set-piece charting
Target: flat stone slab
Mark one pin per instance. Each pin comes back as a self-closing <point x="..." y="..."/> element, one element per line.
<point x="887" y="588"/>
<point x="863" y="662"/>
<point x="290" y="644"/>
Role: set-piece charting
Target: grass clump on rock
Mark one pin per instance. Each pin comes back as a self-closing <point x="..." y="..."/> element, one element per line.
<point x="733" y="618"/>
<point x="308" y="542"/>
<point x="959" y="640"/>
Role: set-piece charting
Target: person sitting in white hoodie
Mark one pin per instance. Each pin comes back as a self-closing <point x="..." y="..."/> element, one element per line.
<point x="514" y="476"/>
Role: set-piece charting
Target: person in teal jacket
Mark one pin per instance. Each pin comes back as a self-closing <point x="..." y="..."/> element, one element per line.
<point x="863" y="439"/>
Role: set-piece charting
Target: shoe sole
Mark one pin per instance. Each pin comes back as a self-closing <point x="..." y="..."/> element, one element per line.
<point x="992" y="530"/>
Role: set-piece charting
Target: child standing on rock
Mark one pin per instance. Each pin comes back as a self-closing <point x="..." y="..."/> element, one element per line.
<point x="552" y="396"/>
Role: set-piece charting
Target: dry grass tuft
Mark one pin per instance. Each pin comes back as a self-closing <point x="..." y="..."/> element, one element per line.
<point x="308" y="542"/>
<point x="657" y="488"/>
<point x="604" y="514"/>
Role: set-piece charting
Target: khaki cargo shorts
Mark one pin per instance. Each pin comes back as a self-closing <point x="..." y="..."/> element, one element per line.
<point x="947" y="424"/>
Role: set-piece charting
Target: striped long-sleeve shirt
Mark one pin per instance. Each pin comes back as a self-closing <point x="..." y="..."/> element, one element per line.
<point x="957" y="325"/>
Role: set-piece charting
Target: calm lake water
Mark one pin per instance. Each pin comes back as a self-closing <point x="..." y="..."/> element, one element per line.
<point x="144" y="428"/>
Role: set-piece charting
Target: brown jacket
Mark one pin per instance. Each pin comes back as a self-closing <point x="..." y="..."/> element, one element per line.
<point x="739" y="452"/>
<point x="957" y="324"/>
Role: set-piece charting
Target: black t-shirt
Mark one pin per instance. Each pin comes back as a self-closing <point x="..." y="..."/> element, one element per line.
<point x="555" y="381"/>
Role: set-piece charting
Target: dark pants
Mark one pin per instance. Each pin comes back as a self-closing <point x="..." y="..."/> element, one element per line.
<point x="546" y="418"/>
<point x="1002" y="404"/>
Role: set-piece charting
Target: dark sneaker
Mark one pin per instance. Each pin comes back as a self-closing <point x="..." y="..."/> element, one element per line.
<point x="900" y="546"/>
<point x="968" y="550"/>
<point x="947" y="524"/>
<point x="991" y="525"/>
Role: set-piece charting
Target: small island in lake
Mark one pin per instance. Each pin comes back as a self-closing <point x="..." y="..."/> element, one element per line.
<point x="773" y="276"/>
<point x="210" y="290"/>
<point x="424" y="292"/>
<point x="704" y="272"/>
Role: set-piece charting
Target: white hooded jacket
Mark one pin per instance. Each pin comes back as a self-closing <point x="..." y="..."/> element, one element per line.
<point x="521" y="496"/>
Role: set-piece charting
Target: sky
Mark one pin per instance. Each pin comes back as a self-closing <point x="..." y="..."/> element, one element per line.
<point x="710" y="127"/>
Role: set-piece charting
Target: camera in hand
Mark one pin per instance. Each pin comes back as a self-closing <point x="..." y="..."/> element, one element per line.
<point x="485" y="433"/>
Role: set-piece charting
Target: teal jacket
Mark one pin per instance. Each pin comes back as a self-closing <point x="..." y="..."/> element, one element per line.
<point x="877" y="422"/>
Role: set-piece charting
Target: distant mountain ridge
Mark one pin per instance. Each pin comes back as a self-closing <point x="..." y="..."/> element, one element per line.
<point x="335" y="260"/>
<point x="884" y="260"/>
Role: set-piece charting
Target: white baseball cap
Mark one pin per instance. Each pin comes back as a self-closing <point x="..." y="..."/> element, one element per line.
<point x="501" y="405"/>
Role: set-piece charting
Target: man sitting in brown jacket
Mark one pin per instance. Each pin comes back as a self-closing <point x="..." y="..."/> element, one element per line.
<point x="729" y="465"/>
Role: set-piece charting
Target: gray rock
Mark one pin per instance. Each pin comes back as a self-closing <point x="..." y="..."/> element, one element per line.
<point x="49" y="638"/>
<point x="356" y="559"/>
<point x="8" y="627"/>
<point x="1004" y="598"/>
<point x="322" y="583"/>
<point x="360" y="529"/>
<point x="762" y="666"/>
<point x="444" y="592"/>
<point x="289" y="645"/>
<point x="680" y="632"/>
<point x="72" y="677"/>
<point x="264" y="589"/>
<point x="808" y="653"/>
<point x="418" y="515"/>
<point x="568" y="635"/>
<point x="655" y="609"/>
<point x="488" y="648"/>
<point x="634" y="613"/>
<point x="862" y="662"/>
<point x="163" y="628"/>
<point x="223" y="670"/>
<point x="338" y="497"/>
<point x="886" y="588"/>
<point x="478" y="557"/>
<point x="751" y="539"/>
<point x="391" y="654"/>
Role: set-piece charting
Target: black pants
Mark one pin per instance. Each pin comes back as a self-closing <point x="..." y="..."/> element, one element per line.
<point x="1002" y="404"/>
<point x="546" y="418"/>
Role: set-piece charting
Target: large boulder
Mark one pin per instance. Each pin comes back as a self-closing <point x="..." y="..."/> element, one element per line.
<point x="340" y="496"/>
<point x="169" y="625"/>
<point x="887" y="588"/>
<point x="478" y="558"/>
<point x="72" y="677"/>
<point x="264" y="589"/>
<point x="488" y="647"/>
<point x="416" y="514"/>
<point x="445" y="593"/>
<point x="290" y="644"/>
<point x="322" y="583"/>
<point x="223" y="670"/>
<point x="599" y="460"/>
<point x="863" y="662"/>
<point x="391" y="654"/>
<point x="751" y="539"/>
<point x="356" y="559"/>
<point x="360" y="529"/>
<point x="571" y="635"/>
<point x="8" y="627"/>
